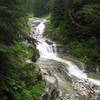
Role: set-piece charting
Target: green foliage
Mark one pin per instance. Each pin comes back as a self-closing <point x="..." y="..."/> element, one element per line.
<point x="18" y="80"/>
<point x="90" y="14"/>
<point x="37" y="90"/>
<point x="84" y="51"/>
<point x="54" y="33"/>
<point x="32" y="94"/>
<point x="41" y="7"/>
<point x="58" y="12"/>
<point x="75" y="17"/>
<point x="9" y="20"/>
<point x="48" y="16"/>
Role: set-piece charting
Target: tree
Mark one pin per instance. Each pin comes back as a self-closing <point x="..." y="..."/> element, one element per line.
<point x="10" y="13"/>
<point x="58" y="12"/>
<point x="41" y="7"/>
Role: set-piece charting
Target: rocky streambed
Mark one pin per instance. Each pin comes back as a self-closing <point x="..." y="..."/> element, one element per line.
<point x="64" y="76"/>
<point x="61" y="86"/>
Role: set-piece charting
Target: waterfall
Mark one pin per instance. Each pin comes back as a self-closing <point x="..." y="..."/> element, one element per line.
<point x="48" y="51"/>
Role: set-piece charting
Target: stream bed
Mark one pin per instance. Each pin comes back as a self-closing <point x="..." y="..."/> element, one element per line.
<point x="64" y="76"/>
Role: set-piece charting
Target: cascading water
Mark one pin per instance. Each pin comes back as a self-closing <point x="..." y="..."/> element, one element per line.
<point x="48" y="51"/>
<point x="65" y="74"/>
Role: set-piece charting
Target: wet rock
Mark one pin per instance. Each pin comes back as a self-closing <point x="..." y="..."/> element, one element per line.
<point x="46" y="96"/>
<point x="98" y="69"/>
<point x="62" y="69"/>
<point x="35" y="56"/>
<point x="51" y="82"/>
<point x="60" y="48"/>
<point x="84" y="87"/>
<point x="33" y="30"/>
<point x="29" y="38"/>
<point x="49" y="42"/>
<point x="55" y="94"/>
<point x="34" y="21"/>
<point x="28" y="61"/>
<point x="51" y="92"/>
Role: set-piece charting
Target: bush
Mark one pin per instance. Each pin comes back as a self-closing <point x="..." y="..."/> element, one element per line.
<point x="84" y="51"/>
<point x="18" y="80"/>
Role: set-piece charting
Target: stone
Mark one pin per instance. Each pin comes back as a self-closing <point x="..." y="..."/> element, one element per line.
<point x="46" y="96"/>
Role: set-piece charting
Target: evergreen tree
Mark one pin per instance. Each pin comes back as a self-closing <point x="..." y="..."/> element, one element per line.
<point x="41" y="7"/>
<point x="58" y="12"/>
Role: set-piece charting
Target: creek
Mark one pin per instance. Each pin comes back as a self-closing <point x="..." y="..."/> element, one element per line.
<point x="64" y="75"/>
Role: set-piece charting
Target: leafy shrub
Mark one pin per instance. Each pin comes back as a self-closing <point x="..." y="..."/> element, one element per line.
<point x="84" y="51"/>
<point x="19" y="80"/>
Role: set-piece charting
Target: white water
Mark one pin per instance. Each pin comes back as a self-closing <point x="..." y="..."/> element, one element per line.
<point x="46" y="51"/>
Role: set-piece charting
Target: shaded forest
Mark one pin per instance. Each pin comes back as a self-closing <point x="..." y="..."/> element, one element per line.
<point x="18" y="79"/>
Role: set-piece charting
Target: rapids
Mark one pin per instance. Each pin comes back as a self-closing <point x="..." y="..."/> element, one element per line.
<point x="49" y="52"/>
